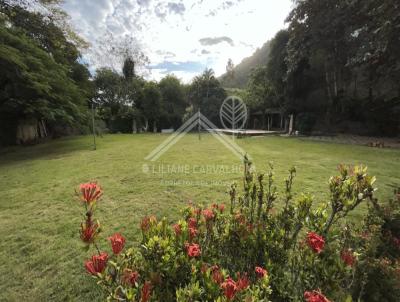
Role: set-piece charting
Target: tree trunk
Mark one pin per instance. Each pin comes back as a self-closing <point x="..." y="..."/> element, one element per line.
<point x="328" y="85"/>
<point x="330" y="97"/>
<point x="155" y="127"/>
<point x="291" y="123"/>
<point x="370" y="88"/>
<point x="146" y="124"/>
<point x="335" y="85"/>
<point x="42" y="129"/>
<point x="355" y="92"/>
<point x="263" y="121"/>
<point x="134" y="126"/>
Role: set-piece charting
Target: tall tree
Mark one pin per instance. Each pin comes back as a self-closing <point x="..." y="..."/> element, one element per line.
<point x="349" y="47"/>
<point x="42" y="87"/>
<point x="173" y="100"/>
<point x="152" y="106"/>
<point x="207" y="95"/>
<point x="128" y="69"/>
<point x="34" y="86"/>
<point x="230" y="69"/>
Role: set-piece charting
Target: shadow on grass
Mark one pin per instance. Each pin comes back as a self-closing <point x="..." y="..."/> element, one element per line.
<point x="50" y="149"/>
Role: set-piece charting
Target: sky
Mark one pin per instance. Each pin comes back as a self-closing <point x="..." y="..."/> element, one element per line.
<point x="182" y="37"/>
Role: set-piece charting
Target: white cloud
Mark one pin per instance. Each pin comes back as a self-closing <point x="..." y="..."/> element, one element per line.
<point x="172" y="31"/>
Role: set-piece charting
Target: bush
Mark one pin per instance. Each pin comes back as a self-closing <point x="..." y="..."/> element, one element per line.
<point x="261" y="247"/>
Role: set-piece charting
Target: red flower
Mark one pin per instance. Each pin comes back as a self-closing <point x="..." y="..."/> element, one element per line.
<point x="242" y="282"/>
<point x="192" y="233"/>
<point x="192" y="223"/>
<point x="193" y="250"/>
<point x="178" y="229"/>
<point x="261" y="272"/>
<point x="216" y="274"/>
<point x="90" y="191"/>
<point x="221" y="207"/>
<point x="130" y="277"/>
<point x="315" y="296"/>
<point x="89" y="231"/>
<point x="117" y="243"/>
<point x="230" y="288"/>
<point x="145" y="292"/>
<point x="97" y="263"/>
<point x="348" y="257"/>
<point x="214" y="206"/>
<point x="315" y="242"/>
<point x="208" y="214"/>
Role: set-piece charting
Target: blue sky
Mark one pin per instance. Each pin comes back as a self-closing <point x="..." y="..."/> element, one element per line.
<point x="179" y="36"/>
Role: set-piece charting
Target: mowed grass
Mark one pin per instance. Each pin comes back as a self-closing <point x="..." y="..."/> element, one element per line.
<point x="40" y="252"/>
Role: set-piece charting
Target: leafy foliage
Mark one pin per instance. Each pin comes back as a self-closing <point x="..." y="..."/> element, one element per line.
<point x="260" y="247"/>
<point x="238" y="76"/>
<point x="206" y="94"/>
<point x="337" y="63"/>
<point x="40" y="77"/>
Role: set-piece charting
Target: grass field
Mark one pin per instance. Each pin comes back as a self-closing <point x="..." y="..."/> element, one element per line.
<point x="40" y="252"/>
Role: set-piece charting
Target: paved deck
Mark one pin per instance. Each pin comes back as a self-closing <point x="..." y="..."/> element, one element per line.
<point x="243" y="132"/>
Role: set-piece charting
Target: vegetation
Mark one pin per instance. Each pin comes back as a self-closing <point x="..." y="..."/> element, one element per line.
<point x="221" y="252"/>
<point x="41" y="256"/>
<point x="47" y="91"/>
<point x="42" y="83"/>
<point x="135" y="105"/>
<point x="238" y="76"/>
<point x="206" y="94"/>
<point x="336" y="68"/>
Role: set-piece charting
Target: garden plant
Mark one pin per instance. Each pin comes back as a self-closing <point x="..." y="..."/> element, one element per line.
<point x="259" y="246"/>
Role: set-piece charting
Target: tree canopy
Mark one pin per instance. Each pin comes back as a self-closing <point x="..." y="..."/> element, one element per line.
<point x="206" y="94"/>
<point x="41" y="78"/>
<point x="336" y="65"/>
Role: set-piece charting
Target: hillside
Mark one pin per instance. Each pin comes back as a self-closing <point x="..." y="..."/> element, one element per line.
<point x="243" y="69"/>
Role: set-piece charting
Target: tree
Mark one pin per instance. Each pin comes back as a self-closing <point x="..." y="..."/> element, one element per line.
<point x="34" y="86"/>
<point x="173" y="101"/>
<point x="44" y="32"/>
<point x="349" y="47"/>
<point x="277" y="68"/>
<point x="128" y="69"/>
<point x="230" y="70"/>
<point x="119" y="99"/>
<point x="207" y="95"/>
<point x="44" y="89"/>
<point x="152" y="104"/>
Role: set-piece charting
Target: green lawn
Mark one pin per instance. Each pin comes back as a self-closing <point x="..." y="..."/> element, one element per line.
<point x="40" y="252"/>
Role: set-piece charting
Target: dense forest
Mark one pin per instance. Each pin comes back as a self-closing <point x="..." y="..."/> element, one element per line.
<point x="336" y="68"/>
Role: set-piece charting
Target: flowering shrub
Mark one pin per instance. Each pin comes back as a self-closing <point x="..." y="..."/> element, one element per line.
<point x="262" y="247"/>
